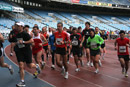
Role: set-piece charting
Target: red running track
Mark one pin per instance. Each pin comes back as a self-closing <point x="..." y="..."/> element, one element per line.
<point x="110" y="73"/>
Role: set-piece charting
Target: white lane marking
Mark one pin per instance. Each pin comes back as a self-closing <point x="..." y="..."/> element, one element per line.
<point x="25" y="70"/>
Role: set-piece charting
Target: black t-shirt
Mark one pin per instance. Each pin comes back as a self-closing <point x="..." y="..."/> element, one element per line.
<point x="13" y="33"/>
<point x="70" y="32"/>
<point x="86" y="33"/>
<point x="75" y="39"/>
<point x="25" y="37"/>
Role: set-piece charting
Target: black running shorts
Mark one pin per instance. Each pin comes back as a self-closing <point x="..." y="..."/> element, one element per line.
<point x="125" y="57"/>
<point x="23" y="56"/>
<point x="61" y="51"/>
<point x="94" y="52"/>
<point x="45" y="48"/>
<point x="77" y="51"/>
<point x="103" y="45"/>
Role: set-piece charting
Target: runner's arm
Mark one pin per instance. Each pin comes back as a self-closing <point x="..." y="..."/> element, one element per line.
<point x="101" y="40"/>
<point x="115" y="44"/>
<point x="29" y="41"/>
<point x="1" y="38"/>
<point x="82" y="40"/>
<point x="88" y="42"/>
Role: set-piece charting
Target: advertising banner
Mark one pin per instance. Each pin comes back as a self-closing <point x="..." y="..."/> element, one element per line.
<point x="83" y="2"/>
<point x="99" y="4"/>
<point x="11" y="8"/>
<point x="5" y="7"/>
<point x="18" y="9"/>
<point x="75" y="1"/>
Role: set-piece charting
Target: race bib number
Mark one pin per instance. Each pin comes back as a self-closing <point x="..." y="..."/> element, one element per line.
<point x="122" y="49"/>
<point x="20" y="45"/>
<point x="58" y="41"/>
<point x="93" y="45"/>
<point x="75" y="43"/>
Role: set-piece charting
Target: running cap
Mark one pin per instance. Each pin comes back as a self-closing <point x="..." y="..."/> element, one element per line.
<point x="20" y="23"/>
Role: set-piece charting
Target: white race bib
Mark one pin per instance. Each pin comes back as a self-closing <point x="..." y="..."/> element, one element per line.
<point x="20" y="45"/>
<point x="75" y="43"/>
<point x="122" y="49"/>
<point x="93" y="45"/>
<point x="58" y="41"/>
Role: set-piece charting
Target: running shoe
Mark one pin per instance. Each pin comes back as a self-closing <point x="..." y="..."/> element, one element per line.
<point x="38" y="68"/>
<point x="21" y="84"/>
<point x="126" y="74"/>
<point x="66" y="75"/>
<point x="53" y="67"/>
<point x="100" y="64"/>
<point x="88" y="63"/>
<point x="91" y="64"/>
<point x="77" y="70"/>
<point x="97" y="71"/>
<point x="11" y="70"/>
<point x="35" y="74"/>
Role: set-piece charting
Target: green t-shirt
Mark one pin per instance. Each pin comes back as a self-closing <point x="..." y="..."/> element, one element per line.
<point x="93" y="42"/>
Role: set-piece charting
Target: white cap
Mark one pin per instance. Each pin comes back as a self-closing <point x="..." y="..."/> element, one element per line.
<point x="20" y="23"/>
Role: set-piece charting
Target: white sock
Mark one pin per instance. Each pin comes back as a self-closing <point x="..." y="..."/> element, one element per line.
<point x="67" y="73"/>
<point x="62" y="67"/>
<point x="22" y="80"/>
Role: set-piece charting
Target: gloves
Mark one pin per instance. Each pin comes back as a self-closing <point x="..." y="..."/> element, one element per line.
<point x="98" y="44"/>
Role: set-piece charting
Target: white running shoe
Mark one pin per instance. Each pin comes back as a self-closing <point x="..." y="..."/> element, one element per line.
<point x="53" y="67"/>
<point x="91" y="64"/>
<point x="97" y="71"/>
<point x="126" y="74"/>
<point x="66" y="75"/>
<point x="38" y="68"/>
<point x="88" y="63"/>
<point x="100" y="64"/>
<point x="11" y="70"/>
<point x="21" y="84"/>
<point x="77" y="70"/>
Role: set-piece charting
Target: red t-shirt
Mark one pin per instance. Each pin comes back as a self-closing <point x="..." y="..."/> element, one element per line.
<point x="122" y="48"/>
<point x="45" y="35"/>
<point x="60" y="37"/>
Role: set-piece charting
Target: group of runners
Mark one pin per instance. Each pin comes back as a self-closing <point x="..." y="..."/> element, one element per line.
<point x="60" y="44"/>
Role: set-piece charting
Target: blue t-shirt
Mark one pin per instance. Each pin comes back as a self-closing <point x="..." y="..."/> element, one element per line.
<point x="51" y="42"/>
